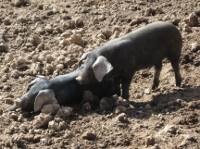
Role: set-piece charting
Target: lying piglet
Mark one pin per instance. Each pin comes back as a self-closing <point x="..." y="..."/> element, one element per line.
<point x="63" y="89"/>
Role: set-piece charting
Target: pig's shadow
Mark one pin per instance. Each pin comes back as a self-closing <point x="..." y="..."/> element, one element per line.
<point x="163" y="103"/>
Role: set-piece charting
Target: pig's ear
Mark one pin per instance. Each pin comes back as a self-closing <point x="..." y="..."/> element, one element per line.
<point x="101" y="67"/>
<point x="83" y="57"/>
<point x="44" y="97"/>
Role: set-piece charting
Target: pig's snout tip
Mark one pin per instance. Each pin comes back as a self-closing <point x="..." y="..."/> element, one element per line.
<point x="79" y="80"/>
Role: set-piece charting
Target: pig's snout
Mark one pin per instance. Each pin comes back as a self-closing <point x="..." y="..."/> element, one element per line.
<point x="79" y="79"/>
<point x="82" y="81"/>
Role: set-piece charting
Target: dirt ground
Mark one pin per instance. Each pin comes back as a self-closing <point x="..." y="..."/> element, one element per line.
<point x="39" y="37"/>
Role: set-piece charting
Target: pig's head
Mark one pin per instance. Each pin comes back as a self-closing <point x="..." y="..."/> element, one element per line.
<point x="37" y="95"/>
<point x="94" y="68"/>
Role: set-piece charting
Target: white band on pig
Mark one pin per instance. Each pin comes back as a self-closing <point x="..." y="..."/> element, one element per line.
<point x="101" y="67"/>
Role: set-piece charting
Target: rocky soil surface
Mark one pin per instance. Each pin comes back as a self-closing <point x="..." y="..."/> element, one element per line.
<point x="39" y="37"/>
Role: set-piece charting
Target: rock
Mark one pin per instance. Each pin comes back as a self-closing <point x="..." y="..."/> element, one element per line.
<point x="93" y="100"/>
<point x="15" y="74"/>
<point x="64" y="112"/>
<point x="53" y="125"/>
<point x="95" y="20"/>
<point x="89" y="136"/>
<point x="40" y="30"/>
<point x="102" y="36"/>
<point x="150" y="12"/>
<point x="115" y="35"/>
<point x="68" y="134"/>
<point x="22" y="19"/>
<point x="194" y="105"/>
<point x="76" y="39"/>
<point x="50" y="108"/>
<point x="7" y="21"/>
<point x="48" y="28"/>
<point x="34" y="40"/>
<point x="18" y="3"/>
<point x="59" y="67"/>
<point x="120" y="109"/>
<point x="123" y="118"/>
<point x="119" y="101"/>
<point x="43" y="141"/>
<point x="14" y="116"/>
<point x="4" y="78"/>
<point x="148" y="106"/>
<point x="149" y="141"/>
<point x="49" y="59"/>
<point x="106" y="103"/>
<point x="8" y="101"/>
<point x="195" y="46"/>
<point x="62" y="125"/>
<point x="79" y="22"/>
<point x="107" y="33"/>
<point x="18" y="139"/>
<point x="186" y="28"/>
<point x="186" y="141"/>
<point x="64" y="42"/>
<point x="3" y="47"/>
<point x="18" y="42"/>
<point x="170" y="129"/>
<point x="41" y="120"/>
<point x="193" y="20"/>
<point x="2" y="35"/>
<point x="66" y="34"/>
<point x="117" y="28"/>
<point x="86" y="106"/>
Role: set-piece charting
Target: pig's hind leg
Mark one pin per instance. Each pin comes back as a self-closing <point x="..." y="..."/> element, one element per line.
<point x="176" y="68"/>
<point x="157" y="70"/>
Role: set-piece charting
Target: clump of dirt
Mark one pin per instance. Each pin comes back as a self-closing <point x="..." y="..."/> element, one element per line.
<point x="48" y="37"/>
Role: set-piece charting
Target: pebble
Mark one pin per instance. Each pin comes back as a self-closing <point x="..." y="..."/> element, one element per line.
<point x="18" y="3"/>
<point x="107" y="33"/>
<point x="106" y="103"/>
<point x="3" y="47"/>
<point x="79" y="22"/>
<point x="193" y="20"/>
<point x="86" y="106"/>
<point x="149" y="141"/>
<point x="76" y="39"/>
<point x="64" y="112"/>
<point x="89" y="136"/>
<point x="7" y="21"/>
<point x="170" y="129"/>
<point x="48" y="28"/>
<point x="122" y="118"/>
<point x="41" y="120"/>
<point x="22" y="19"/>
<point x="195" y="46"/>
<point x="120" y="109"/>
<point x="50" y="108"/>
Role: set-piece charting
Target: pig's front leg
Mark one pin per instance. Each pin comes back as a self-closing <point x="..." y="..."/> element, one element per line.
<point x="117" y="81"/>
<point x="126" y="81"/>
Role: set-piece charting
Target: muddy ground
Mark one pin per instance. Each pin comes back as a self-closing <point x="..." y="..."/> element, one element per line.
<point x="48" y="37"/>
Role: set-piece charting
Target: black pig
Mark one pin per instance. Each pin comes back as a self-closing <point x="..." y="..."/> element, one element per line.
<point x="120" y="58"/>
<point x="64" y="89"/>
